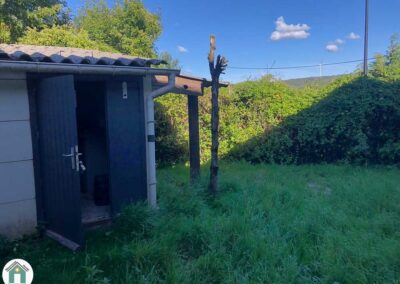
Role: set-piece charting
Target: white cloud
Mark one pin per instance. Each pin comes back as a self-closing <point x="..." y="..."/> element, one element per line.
<point x="339" y="41"/>
<point x="331" y="47"/>
<point x="353" y="35"/>
<point x="182" y="49"/>
<point x="289" y="31"/>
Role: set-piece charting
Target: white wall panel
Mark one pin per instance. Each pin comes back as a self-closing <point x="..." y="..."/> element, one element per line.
<point x="16" y="181"/>
<point x="13" y="100"/>
<point x="17" y="186"/>
<point x="15" y="141"/>
<point x="18" y="219"/>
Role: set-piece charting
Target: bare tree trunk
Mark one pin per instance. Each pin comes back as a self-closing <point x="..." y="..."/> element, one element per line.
<point x="214" y="137"/>
<point x="216" y="69"/>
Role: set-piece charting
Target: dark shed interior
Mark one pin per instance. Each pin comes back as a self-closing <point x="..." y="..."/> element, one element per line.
<point x="92" y="142"/>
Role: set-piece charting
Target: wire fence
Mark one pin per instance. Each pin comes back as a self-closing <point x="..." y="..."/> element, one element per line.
<point x="299" y="66"/>
<point x="243" y="73"/>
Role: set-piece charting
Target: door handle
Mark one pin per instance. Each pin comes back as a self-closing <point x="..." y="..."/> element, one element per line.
<point x="79" y="164"/>
<point x="68" y="155"/>
<point x="72" y="156"/>
<point x="82" y="166"/>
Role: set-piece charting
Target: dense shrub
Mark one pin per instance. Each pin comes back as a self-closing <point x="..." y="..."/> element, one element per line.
<point x="171" y="129"/>
<point x="358" y="121"/>
<point x="246" y="110"/>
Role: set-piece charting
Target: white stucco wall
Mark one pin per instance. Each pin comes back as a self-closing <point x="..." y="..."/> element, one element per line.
<point x="17" y="187"/>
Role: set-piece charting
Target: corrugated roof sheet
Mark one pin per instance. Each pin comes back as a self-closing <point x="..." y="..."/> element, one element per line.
<point x="68" y="55"/>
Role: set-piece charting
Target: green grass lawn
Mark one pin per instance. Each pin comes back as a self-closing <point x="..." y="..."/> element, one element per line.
<point x="269" y="223"/>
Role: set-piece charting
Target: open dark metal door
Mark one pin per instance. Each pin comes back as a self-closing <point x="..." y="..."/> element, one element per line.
<point x="59" y="158"/>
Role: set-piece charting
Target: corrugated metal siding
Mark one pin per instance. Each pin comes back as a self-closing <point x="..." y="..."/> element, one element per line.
<point x="17" y="189"/>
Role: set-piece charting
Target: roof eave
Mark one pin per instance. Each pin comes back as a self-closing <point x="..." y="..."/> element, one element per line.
<point x="45" y="67"/>
<point x="186" y="85"/>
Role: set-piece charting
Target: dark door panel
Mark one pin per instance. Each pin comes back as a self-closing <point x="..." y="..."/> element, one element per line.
<point x="58" y="148"/>
<point x="126" y="143"/>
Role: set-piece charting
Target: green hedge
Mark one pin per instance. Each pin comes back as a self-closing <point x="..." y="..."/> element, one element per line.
<point x="358" y="121"/>
<point x="246" y="110"/>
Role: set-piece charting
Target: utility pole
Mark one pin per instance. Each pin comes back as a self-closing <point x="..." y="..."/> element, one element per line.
<point x="366" y="40"/>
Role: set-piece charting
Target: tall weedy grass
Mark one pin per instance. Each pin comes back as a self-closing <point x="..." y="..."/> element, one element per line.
<point x="268" y="224"/>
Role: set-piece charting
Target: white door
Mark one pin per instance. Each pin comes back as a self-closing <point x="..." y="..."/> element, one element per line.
<point x="17" y="278"/>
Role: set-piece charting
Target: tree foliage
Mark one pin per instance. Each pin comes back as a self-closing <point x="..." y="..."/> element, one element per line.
<point x="172" y="63"/>
<point x="65" y="35"/>
<point x="5" y="33"/>
<point x="387" y="67"/>
<point x="126" y="26"/>
<point x="18" y="15"/>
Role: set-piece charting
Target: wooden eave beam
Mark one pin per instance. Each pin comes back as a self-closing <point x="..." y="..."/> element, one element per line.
<point x="185" y="85"/>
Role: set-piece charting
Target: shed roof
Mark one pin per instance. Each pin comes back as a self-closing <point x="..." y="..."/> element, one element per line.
<point x="50" y="57"/>
<point x="54" y="54"/>
<point x="16" y="263"/>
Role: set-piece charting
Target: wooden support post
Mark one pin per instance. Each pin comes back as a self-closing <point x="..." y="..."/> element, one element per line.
<point x="194" y="138"/>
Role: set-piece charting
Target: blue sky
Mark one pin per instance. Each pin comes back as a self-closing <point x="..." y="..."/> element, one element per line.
<point x="244" y="28"/>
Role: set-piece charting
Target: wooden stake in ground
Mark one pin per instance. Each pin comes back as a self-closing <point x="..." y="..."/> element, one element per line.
<point x="216" y="69"/>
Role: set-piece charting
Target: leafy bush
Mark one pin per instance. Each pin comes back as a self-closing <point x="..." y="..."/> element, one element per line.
<point x="171" y="129"/>
<point x="357" y="121"/>
<point x="246" y="110"/>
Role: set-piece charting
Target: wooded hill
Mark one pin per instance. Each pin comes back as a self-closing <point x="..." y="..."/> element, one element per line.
<point x="311" y="81"/>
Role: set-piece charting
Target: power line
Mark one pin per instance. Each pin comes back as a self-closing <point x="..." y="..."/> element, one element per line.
<point x="298" y="67"/>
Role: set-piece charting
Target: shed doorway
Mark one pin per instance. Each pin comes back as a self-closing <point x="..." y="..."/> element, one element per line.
<point x="92" y="143"/>
<point x="89" y="150"/>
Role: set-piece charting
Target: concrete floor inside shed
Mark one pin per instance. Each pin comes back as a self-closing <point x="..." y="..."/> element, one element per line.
<point x="91" y="213"/>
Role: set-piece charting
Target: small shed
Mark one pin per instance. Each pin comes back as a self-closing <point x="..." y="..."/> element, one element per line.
<point x="77" y="139"/>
